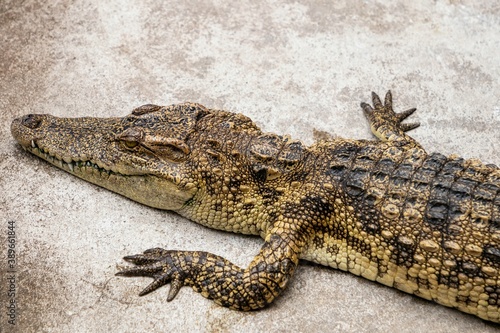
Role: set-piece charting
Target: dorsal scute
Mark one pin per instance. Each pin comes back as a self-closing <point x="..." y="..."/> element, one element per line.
<point x="273" y="155"/>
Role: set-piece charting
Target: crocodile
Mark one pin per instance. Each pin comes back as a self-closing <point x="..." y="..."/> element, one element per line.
<point x="384" y="209"/>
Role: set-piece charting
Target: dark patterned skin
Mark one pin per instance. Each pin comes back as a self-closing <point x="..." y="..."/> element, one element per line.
<point x="427" y="224"/>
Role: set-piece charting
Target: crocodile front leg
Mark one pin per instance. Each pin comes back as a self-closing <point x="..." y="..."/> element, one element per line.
<point x="217" y="278"/>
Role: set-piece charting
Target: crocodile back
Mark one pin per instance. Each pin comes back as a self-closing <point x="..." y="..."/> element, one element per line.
<point x="424" y="223"/>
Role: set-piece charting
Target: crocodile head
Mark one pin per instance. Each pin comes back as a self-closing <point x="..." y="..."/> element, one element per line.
<point x="143" y="156"/>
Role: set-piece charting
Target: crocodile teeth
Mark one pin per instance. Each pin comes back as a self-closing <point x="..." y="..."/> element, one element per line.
<point x="66" y="162"/>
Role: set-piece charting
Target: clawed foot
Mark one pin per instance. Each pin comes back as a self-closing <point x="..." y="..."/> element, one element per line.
<point x="219" y="279"/>
<point x="161" y="265"/>
<point x="383" y="120"/>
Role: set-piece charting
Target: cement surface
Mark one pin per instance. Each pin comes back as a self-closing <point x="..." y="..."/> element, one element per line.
<point x="292" y="66"/>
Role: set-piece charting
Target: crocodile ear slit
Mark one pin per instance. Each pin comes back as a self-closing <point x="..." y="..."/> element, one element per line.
<point x="169" y="148"/>
<point x="178" y="144"/>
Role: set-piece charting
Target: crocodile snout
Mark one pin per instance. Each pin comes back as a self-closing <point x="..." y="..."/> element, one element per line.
<point x="27" y="128"/>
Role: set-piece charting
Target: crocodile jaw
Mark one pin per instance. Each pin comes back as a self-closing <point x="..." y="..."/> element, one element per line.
<point x="36" y="133"/>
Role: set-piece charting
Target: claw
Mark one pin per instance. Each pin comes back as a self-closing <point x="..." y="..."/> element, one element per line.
<point x="388" y="100"/>
<point x="139" y="259"/>
<point x="409" y="127"/>
<point x="157" y="283"/>
<point x="405" y="114"/>
<point x="142" y="270"/>
<point x="147" y="257"/>
<point x="376" y="101"/>
<point x="156" y="251"/>
<point x="175" y="286"/>
<point x="367" y="108"/>
<point x="132" y="258"/>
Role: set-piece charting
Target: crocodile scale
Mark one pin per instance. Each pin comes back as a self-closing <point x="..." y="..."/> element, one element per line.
<point x="426" y="224"/>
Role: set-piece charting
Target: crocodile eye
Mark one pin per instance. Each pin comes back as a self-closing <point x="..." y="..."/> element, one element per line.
<point x="131" y="137"/>
<point x="130" y="144"/>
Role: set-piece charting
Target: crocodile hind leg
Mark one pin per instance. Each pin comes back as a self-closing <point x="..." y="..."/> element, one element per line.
<point x="217" y="278"/>
<point x="386" y="124"/>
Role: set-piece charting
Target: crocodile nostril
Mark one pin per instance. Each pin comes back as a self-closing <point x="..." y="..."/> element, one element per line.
<point x="31" y="121"/>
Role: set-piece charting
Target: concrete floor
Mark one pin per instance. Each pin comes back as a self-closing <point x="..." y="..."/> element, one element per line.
<point x="293" y="67"/>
